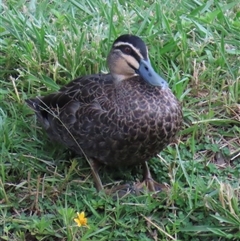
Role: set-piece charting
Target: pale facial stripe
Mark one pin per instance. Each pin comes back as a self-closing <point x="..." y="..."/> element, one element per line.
<point x="136" y="50"/>
<point x="131" y="61"/>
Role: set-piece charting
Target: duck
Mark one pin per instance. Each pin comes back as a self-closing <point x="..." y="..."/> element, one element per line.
<point x="122" y="118"/>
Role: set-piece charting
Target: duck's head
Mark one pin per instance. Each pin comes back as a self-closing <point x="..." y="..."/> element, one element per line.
<point x="129" y="57"/>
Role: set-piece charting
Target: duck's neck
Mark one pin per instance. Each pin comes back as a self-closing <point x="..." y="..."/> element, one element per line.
<point x="117" y="78"/>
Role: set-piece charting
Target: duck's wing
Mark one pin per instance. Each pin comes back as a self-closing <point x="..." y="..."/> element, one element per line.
<point x="71" y="103"/>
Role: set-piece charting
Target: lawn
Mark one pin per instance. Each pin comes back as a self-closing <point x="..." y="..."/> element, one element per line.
<point x="195" y="45"/>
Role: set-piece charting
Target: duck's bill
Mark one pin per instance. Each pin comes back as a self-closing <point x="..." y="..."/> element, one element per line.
<point x="147" y="72"/>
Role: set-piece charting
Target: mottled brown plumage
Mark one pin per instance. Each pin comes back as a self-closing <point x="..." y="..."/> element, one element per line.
<point x="117" y="119"/>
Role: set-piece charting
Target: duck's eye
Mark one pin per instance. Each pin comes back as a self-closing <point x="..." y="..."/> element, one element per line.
<point x="127" y="50"/>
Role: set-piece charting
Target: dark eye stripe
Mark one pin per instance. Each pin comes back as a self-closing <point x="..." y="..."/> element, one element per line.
<point x="133" y="53"/>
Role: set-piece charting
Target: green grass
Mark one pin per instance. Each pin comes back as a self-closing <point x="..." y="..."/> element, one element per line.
<point x="196" y="46"/>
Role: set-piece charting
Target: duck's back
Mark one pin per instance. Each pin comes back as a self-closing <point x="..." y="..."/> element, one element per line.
<point x="115" y="123"/>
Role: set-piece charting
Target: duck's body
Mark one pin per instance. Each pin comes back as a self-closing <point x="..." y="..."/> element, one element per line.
<point x="113" y="120"/>
<point x="117" y="124"/>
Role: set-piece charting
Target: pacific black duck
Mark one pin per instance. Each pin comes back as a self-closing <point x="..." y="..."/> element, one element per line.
<point x="122" y="118"/>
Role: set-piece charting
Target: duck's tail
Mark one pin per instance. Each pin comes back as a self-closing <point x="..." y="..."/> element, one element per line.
<point x="35" y="105"/>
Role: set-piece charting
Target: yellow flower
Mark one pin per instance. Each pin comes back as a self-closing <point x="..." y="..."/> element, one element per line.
<point x="81" y="220"/>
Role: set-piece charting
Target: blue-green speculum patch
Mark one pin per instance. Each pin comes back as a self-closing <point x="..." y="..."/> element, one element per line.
<point x="147" y="72"/>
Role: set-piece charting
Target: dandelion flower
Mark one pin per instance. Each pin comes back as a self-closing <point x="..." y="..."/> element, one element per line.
<point x="81" y="220"/>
